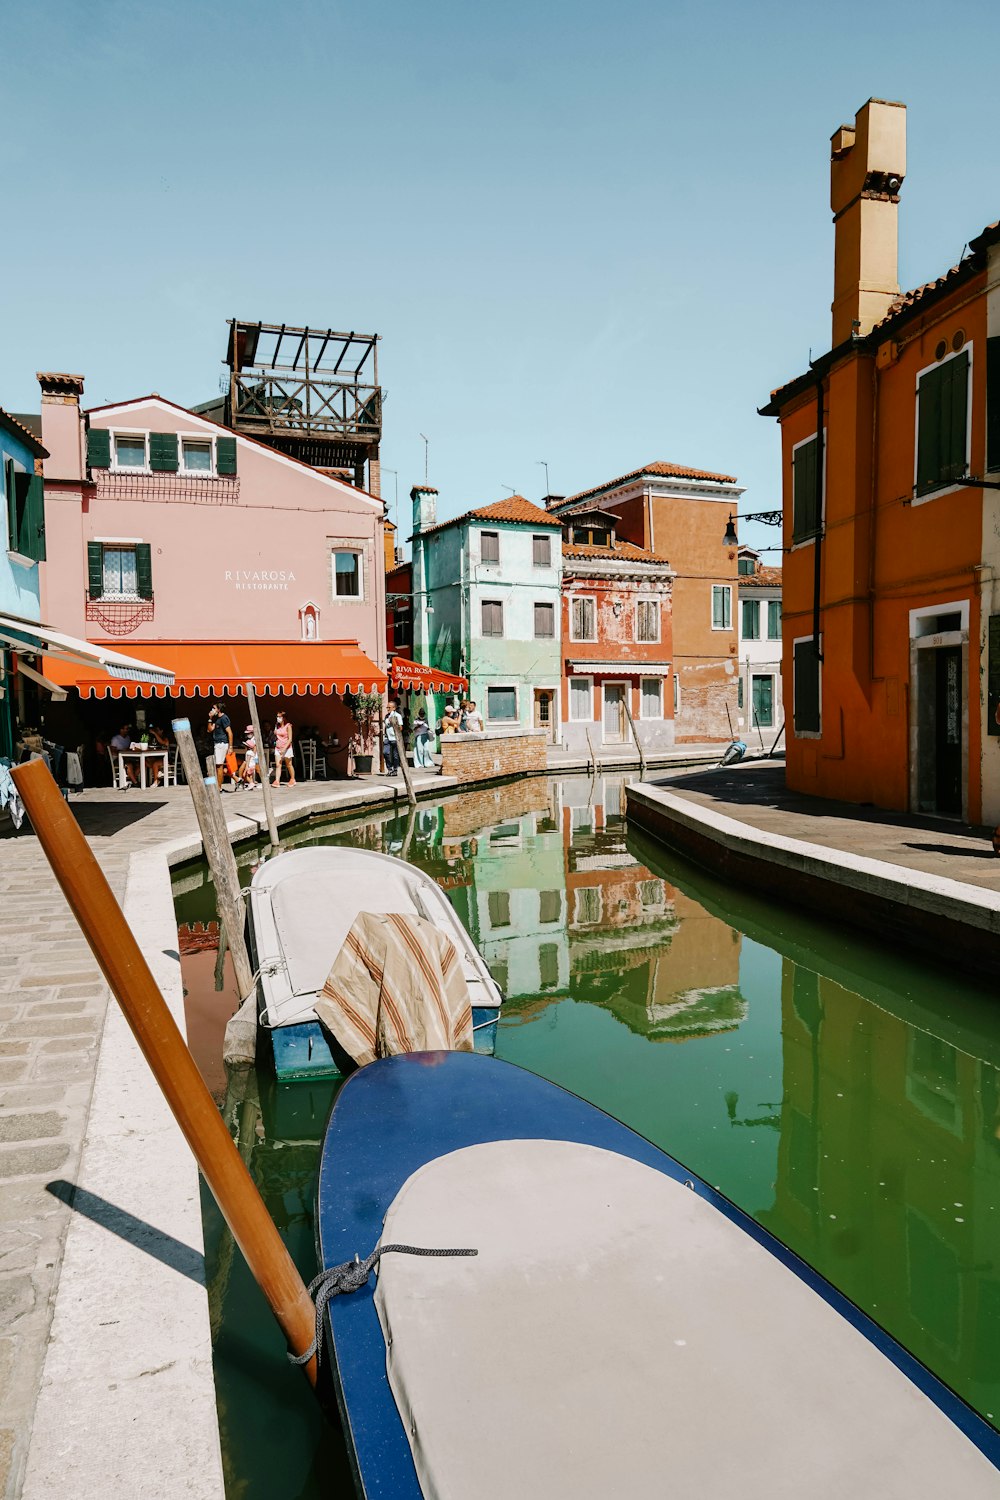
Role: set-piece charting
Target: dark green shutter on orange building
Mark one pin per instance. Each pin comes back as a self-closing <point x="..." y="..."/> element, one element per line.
<point x="942" y="411"/>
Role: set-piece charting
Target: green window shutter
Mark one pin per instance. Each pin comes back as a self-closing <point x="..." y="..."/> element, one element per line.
<point x="144" y="570"/>
<point x="98" y="448"/>
<point x="8" y="489"/>
<point x="942" y="415"/>
<point x="805" y="522"/>
<point x="993" y="406"/>
<point x="21" y="532"/>
<point x="163" y="452"/>
<point x="225" y="455"/>
<point x="33" y="526"/>
<point x="806" y="688"/>
<point x="95" y="570"/>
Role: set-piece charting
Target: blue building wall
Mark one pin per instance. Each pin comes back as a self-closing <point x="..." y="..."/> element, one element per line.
<point x="20" y="589"/>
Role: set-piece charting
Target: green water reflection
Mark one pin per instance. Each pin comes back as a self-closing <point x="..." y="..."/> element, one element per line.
<point x="845" y="1096"/>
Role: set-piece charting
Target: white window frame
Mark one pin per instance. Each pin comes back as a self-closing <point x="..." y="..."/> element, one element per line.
<point x="806" y="734"/>
<point x="197" y="437"/>
<point x="677" y="694"/>
<point x="120" y="546"/>
<point x="503" y="620"/>
<point x="543" y="604"/>
<point x="729" y="590"/>
<point x="583" y="639"/>
<point x="642" y="692"/>
<point x="649" y="599"/>
<point x="590" y="689"/>
<point x="359" y="597"/>
<point x="128" y="432"/>
<point x="489" y="562"/>
<point x="809" y="540"/>
<point x="505" y="687"/>
<point x="948" y="489"/>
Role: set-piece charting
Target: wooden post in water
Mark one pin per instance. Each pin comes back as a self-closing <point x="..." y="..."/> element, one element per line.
<point x="635" y="736"/>
<point x="218" y="851"/>
<point x="123" y="965"/>
<point x="265" y="779"/>
<point x="411" y="795"/>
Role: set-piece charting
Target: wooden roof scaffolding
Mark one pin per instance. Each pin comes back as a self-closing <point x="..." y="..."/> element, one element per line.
<point x="310" y="392"/>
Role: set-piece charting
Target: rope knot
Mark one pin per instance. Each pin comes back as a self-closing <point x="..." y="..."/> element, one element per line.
<point x="351" y="1276"/>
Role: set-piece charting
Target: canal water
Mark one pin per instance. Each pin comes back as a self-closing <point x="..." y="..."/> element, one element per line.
<point x="845" y="1096"/>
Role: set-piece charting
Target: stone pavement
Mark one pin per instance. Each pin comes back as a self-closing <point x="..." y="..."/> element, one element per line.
<point x="754" y="793"/>
<point x="53" y="1003"/>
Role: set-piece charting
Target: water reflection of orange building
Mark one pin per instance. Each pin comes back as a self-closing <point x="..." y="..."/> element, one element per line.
<point x="660" y="962"/>
<point x="873" y="1141"/>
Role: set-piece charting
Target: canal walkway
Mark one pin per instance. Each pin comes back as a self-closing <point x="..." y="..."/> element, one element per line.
<point x="77" y="1107"/>
<point x="917" y="883"/>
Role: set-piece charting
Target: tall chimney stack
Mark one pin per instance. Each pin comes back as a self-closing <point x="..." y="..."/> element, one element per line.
<point x="867" y="167"/>
<point x="424" y="497"/>
<point x="62" y="425"/>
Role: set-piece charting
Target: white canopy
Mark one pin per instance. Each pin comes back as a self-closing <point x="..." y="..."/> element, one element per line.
<point x="30" y="637"/>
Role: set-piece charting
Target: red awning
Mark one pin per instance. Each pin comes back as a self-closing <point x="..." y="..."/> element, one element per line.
<point x="220" y="669"/>
<point x="413" y="674"/>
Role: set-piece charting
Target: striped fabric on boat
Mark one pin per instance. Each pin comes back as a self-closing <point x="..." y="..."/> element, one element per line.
<point x="397" y="986"/>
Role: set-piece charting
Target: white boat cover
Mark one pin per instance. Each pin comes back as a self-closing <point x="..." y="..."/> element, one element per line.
<point x="397" y="986"/>
<point x="618" y="1336"/>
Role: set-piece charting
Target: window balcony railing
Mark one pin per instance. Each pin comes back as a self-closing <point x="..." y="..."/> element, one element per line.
<point x="118" y="616"/>
<point x="120" y="484"/>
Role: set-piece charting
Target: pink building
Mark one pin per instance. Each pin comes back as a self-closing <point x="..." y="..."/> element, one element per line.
<point x="188" y="544"/>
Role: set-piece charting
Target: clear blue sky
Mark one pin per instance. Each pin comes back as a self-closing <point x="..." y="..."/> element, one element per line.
<point x="591" y="233"/>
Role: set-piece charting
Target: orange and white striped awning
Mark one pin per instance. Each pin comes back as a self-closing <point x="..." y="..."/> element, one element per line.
<point x="413" y="674"/>
<point x="221" y="669"/>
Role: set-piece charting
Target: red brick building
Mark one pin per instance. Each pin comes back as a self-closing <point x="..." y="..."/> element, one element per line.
<point x="617" y="637"/>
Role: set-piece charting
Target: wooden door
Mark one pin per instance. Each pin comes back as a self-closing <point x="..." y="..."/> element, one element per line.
<point x="614" y="713"/>
<point x="545" y="717"/>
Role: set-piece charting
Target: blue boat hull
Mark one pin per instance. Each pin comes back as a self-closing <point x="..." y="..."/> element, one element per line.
<point x="394" y="1116"/>
<point x="303" y="1052"/>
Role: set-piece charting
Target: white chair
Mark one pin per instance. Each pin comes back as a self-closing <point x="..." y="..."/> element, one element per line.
<point x="112" y="757"/>
<point x="307" y="758"/>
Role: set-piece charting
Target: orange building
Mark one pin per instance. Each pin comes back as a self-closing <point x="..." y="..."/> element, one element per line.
<point x="677" y="512"/>
<point x="891" y="611"/>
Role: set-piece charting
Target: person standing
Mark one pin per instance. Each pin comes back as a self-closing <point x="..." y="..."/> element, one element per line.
<point x="473" y="720"/>
<point x="394" y="746"/>
<point x="422" y="756"/>
<point x="221" y="731"/>
<point x="283" y="752"/>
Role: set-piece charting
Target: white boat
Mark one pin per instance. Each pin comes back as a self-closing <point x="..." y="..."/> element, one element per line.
<point x="302" y="905"/>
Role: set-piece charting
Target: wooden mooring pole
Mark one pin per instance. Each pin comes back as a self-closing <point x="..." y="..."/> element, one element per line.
<point x="635" y="736"/>
<point x="218" y="851"/>
<point x="265" y="778"/>
<point x="111" y="940"/>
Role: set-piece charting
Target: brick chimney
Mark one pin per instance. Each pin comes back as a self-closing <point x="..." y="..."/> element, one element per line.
<point x="62" y="425"/>
<point x="867" y="167"/>
<point x="424" y="498"/>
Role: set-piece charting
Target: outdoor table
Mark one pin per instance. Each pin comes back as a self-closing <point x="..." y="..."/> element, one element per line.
<point x="157" y="752"/>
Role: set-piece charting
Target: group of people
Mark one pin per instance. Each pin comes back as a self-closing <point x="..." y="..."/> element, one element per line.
<point x="458" y="718"/>
<point x="152" y="738"/>
<point x="277" y="740"/>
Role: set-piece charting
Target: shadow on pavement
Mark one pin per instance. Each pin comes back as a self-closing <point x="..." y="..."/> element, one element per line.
<point x="959" y="849"/>
<point x="162" y="1247"/>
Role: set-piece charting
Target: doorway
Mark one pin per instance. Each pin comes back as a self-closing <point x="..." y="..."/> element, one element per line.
<point x="940" y="714"/>
<point x="614" y="713"/>
<point x="544" y="717"/>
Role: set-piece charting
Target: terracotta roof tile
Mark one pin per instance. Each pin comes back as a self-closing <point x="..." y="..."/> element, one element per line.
<point x="515" y="509"/>
<point x="763" y="578"/>
<point x="659" y="470"/>
<point x="18" y="429"/>
<point x="620" y="552"/>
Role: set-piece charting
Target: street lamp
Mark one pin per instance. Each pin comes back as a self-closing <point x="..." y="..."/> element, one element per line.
<point x="766" y="518"/>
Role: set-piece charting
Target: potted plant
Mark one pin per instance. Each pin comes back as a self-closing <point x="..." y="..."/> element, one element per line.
<point x="365" y="709"/>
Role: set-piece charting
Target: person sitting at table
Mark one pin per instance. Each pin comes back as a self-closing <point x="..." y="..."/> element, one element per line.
<point x="158" y="767"/>
<point x="120" y="742"/>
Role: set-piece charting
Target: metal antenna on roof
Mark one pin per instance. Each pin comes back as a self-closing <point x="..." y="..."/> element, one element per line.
<point x="426" y="448"/>
<point x="509" y="487"/>
<point x="546" y="468"/>
<point x="395" y="501"/>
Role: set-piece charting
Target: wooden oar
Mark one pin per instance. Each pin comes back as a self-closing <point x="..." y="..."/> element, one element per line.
<point x="116" y="950"/>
